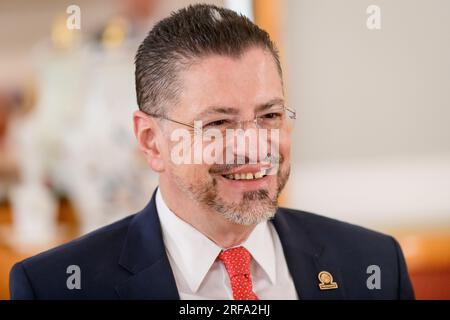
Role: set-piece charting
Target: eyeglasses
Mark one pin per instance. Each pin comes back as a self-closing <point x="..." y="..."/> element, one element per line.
<point x="273" y="118"/>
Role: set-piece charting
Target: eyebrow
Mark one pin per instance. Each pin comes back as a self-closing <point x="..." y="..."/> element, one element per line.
<point x="269" y="104"/>
<point x="234" y="111"/>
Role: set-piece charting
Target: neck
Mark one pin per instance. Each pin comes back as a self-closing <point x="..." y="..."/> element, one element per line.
<point x="219" y="230"/>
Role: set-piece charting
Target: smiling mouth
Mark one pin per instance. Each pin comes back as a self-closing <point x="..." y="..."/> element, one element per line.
<point x="247" y="175"/>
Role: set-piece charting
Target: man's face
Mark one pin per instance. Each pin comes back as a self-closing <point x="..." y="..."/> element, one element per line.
<point x="218" y="88"/>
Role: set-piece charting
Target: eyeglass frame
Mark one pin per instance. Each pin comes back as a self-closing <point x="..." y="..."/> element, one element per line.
<point x="293" y="116"/>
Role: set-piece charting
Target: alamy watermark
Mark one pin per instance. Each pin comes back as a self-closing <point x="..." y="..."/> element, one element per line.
<point x="73" y="21"/>
<point x="373" y="21"/>
<point x="374" y="280"/>
<point x="74" y="280"/>
<point x="230" y="146"/>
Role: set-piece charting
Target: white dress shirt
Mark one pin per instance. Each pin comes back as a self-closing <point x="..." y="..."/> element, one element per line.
<point x="200" y="275"/>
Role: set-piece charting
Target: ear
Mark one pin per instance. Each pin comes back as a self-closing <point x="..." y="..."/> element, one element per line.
<point x="148" y="135"/>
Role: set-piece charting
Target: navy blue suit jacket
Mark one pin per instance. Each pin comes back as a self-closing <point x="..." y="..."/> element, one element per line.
<point x="127" y="260"/>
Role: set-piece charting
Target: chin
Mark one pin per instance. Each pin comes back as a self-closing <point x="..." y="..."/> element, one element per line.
<point x="249" y="214"/>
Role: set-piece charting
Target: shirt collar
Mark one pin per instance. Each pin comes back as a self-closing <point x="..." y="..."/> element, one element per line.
<point x="194" y="253"/>
<point x="260" y="244"/>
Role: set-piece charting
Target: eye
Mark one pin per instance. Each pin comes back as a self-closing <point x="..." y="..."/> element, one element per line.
<point x="217" y="123"/>
<point x="272" y="115"/>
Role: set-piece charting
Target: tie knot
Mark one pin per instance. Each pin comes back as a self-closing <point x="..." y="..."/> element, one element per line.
<point x="236" y="261"/>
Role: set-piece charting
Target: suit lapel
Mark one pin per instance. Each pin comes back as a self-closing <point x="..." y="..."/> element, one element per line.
<point x="306" y="257"/>
<point x="154" y="283"/>
<point x="144" y="256"/>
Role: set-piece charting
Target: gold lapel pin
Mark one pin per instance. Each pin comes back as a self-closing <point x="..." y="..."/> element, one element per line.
<point x="326" y="281"/>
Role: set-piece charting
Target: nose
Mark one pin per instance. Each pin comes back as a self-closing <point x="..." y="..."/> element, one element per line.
<point x="250" y="144"/>
<point x="243" y="124"/>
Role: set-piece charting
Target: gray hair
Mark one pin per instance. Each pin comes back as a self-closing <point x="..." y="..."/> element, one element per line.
<point x="182" y="38"/>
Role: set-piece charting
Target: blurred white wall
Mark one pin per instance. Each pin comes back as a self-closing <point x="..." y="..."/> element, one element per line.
<point x="25" y="23"/>
<point x="372" y="140"/>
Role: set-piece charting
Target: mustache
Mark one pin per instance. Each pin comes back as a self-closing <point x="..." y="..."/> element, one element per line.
<point x="244" y="160"/>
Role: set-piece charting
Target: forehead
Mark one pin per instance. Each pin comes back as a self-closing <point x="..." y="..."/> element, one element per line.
<point x="242" y="82"/>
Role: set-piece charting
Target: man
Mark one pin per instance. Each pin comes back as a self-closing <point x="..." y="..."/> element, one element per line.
<point x="212" y="229"/>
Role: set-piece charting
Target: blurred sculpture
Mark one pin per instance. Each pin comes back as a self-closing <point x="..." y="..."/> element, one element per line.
<point x="111" y="179"/>
<point x="9" y="108"/>
<point x="78" y="140"/>
<point x="39" y="136"/>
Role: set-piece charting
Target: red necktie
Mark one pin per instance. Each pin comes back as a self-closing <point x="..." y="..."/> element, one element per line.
<point x="237" y="262"/>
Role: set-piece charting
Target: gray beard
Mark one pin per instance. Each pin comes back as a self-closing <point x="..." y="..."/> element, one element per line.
<point x="255" y="206"/>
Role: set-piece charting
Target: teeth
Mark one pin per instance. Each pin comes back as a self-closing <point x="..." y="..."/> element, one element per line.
<point x="247" y="176"/>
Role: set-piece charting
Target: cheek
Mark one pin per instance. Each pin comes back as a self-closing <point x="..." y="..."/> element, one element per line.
<point x="284" y="144"/>
<point x="286" y="148"/>
<point x="287" y="136"/>
<point x="191" y="173"/>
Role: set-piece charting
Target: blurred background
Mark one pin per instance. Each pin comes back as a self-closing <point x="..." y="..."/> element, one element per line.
<point x="371" y="86"/>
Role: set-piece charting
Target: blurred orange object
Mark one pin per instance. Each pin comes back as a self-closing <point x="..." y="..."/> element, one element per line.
<point x="428" y="257"/>
<point x="10" y="252"/>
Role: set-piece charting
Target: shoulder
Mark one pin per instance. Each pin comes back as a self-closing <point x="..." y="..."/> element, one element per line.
<point x="354" y="250"/>
<point x="332" y="231"/>
<point x="349" y="246"/>
<point x="95" y="254"/>
<point x="103" y="241"/>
